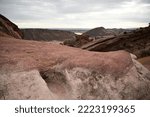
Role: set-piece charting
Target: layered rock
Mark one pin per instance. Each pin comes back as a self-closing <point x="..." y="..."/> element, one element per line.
<point x="136" y="42"/>
<point x="95" y="35"/>
<point x="7" y="28"/>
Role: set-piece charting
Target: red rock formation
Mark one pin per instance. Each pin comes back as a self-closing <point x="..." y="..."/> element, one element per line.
<point x="7" y="28"/>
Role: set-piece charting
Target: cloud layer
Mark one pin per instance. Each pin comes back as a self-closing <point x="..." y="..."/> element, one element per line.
<point x="77" y="13"/>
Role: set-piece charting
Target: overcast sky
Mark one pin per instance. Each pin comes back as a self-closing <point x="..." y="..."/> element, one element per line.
<point x="77" y="13"/>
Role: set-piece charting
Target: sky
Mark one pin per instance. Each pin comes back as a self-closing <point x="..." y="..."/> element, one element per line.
<point x="77" y="13"/>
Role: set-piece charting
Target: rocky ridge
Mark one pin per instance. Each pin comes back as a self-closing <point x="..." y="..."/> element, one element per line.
<point x="101" y="31"/>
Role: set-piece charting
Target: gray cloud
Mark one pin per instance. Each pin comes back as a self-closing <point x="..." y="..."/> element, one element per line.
<point x="81" y="6"/>
<point x="76" y="13"/>
<point x="145" y="1"/>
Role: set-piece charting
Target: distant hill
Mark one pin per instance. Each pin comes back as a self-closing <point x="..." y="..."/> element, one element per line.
<point x="136" y="42"/>
<point x="47" y="34"/>
<point x="75" y="30"/>
<point x="101" y="31"/>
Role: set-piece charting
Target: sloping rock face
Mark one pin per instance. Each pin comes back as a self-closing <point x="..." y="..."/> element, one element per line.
<point x="136" y="42"/>
<point x="40" y="70"/>
<point x="7" y="28"/>
<point x="101" y="31"/>
<point x="47" y="34"/>
<point x="93" y="36"/>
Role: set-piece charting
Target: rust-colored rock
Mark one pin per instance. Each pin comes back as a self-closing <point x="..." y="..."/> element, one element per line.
<point x="7" y="28"/>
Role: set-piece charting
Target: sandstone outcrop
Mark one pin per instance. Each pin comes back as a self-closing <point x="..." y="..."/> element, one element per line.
<point x="7" y="28"/>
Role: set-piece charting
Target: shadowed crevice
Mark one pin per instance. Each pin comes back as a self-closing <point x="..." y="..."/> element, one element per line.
<point x="56" y="82"/>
